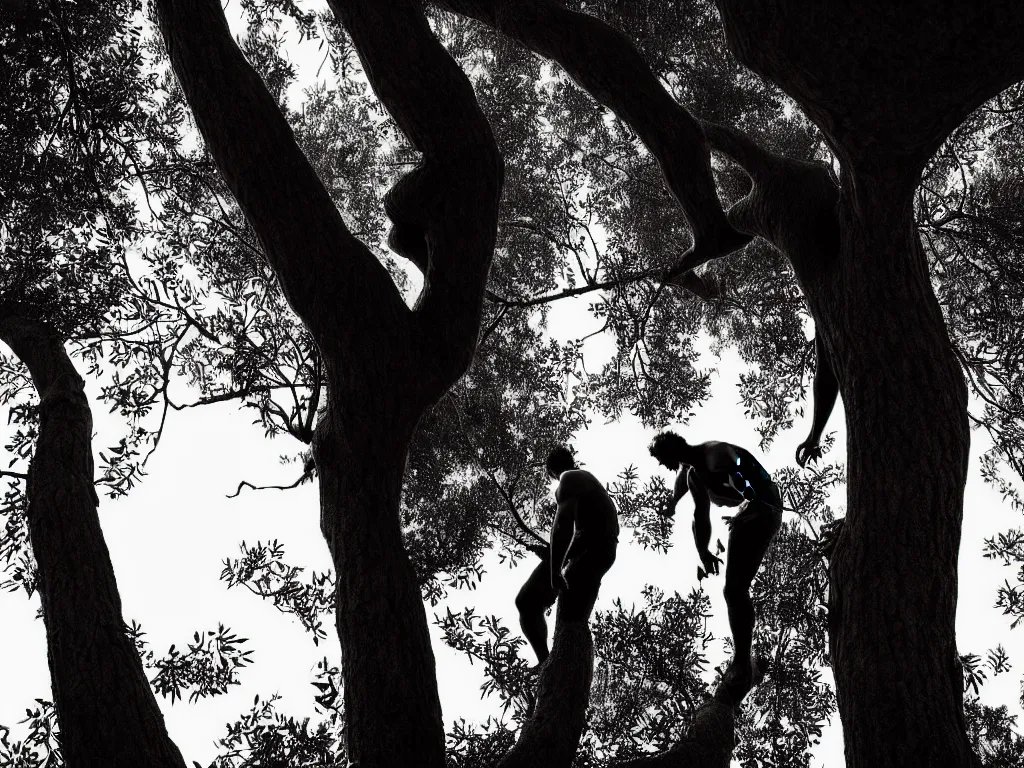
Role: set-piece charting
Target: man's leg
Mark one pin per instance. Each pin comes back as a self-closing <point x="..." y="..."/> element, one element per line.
<point x="583" y="575"/>
<point x="751" y="534"/>
<point x="533" y="600"/>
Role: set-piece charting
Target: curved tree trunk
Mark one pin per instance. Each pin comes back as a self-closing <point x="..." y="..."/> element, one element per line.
<point x="385" y="363"/>
<point x="552" y="735"/>
<point x="886" y="83"/>
<point x="893" y="572"/>
<point x="108" y="715"/>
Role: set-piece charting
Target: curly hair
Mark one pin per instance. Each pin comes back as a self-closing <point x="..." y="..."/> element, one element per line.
<point x="667" y="447"/>
<point x="560" y="460"/>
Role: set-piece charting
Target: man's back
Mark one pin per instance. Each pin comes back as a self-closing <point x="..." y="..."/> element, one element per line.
<point x="595" y="511"/>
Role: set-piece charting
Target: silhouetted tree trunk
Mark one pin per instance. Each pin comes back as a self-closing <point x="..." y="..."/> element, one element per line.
<point x="384" y="363"/>
<point x="106" y="709"/>
<point x="885" y="82"/>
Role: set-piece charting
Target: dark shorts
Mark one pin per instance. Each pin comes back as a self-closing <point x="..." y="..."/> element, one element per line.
<point x="586" y="565"/>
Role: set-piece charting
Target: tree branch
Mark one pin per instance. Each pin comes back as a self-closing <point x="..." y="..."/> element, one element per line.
<point x="688" y="280"/>
<point x="552" y="734"/>
<point x="445" y="210"/>
<point x="296" y="221"/>
<point x="604" y="62"/>
<point x="306" y="475"/>
<point x="709" y="742"/>
<point x="791" y="203"/>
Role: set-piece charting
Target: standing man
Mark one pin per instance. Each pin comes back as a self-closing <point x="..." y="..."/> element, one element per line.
<point x="729" y="476"/>
<point x="584" y="537"/>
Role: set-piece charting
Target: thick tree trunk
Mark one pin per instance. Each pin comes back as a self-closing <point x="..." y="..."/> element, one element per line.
<point x="893" y="574"/>
<point x="894" y="568"/>
<point x="107" y="713"/>
<point x="392" y="709"/>
<point x="885" y="82"/>
<point x="386" y="363"/>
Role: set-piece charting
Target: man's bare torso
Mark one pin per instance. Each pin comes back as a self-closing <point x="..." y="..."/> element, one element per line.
<point x="596" y="515"/>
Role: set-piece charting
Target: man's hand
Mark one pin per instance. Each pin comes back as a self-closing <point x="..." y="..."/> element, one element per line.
<point x="710" y="563"/>
<point x="808" y="450"/>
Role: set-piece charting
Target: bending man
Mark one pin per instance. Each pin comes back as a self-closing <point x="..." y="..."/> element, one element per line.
<point x="729" y="476"/>
<point x="584" y="537"/>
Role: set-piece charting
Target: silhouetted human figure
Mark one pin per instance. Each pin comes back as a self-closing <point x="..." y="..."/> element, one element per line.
<point x="584" y="537"/>
<point x="826" y="389"/>
<point x="728" y="476"/>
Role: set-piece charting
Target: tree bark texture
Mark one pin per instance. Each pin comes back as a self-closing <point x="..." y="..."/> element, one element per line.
<point x="893" y="572"/>
<point x="882" y="79"/>
<point x="384" y="362"/>
<point x="552" y="735"/>
<point x="392" y="709"/>
<point x="107" y="712"/>
<point x="886" y="83"/>
<point x="711" y="738"/>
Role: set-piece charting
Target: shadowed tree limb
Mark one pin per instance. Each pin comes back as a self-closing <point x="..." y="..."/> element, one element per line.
<point x="711" y="738"/>
<point x="551" y="736"/>
<point x="791" y="203"/>
<point x="604" y="62"/>
<point x="690" y="280"/>
<point x="331" y="273"/>
<point x="306" y="475"/>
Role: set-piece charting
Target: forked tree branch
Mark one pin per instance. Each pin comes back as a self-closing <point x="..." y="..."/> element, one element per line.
<point x="445" y="210"/>
<point x="324" y="270"/>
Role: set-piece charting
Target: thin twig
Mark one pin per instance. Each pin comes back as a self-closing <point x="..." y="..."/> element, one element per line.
<point x="306" y="475"/>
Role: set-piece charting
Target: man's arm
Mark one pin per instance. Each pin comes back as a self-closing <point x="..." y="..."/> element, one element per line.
<point x="702" y="522"/>
<point x="681" y="487"/>
<point x="826" y="390"/>
<point x="561" y="536"/>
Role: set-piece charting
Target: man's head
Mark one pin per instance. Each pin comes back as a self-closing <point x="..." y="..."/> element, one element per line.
<point x="668" y="448"/>
<point x="560" y="460"/>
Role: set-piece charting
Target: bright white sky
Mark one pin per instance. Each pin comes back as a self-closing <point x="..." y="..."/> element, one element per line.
<point x="168" y="539"/>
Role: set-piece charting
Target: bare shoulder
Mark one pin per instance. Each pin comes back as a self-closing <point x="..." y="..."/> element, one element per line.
<point x="574" y="482"/>
<point x="718" y="455"/>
